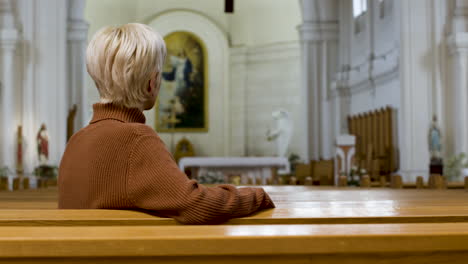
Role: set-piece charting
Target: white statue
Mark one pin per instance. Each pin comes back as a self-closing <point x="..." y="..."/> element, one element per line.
<point x="283" y="132"/>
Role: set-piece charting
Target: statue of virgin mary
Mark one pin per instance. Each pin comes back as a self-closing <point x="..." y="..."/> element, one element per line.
<point x="435" y="140"/>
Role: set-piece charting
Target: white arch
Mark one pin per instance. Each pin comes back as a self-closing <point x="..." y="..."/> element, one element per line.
<point x="216" y="141"/>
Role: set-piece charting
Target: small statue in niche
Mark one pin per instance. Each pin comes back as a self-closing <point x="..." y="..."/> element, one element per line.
<point x="435" y="141"/>
<point x="43" y="145"/>
<point x="283" y="132"/>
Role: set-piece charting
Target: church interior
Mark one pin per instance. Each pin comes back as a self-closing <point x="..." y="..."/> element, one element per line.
<point x="351" y="114"/>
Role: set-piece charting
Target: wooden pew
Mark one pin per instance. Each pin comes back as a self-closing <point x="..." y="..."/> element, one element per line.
<point x="295" y="205"/>
<point x="376" y="147"/>
<point x="337" y="215"/>
<point x="351" y="244"/>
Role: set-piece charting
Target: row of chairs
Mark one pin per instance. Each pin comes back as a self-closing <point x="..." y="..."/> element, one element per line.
<point x="24" y="183"/>
<point x="436" y="181"/>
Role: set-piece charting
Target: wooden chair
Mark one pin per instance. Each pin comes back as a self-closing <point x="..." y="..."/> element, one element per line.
<point x="303" y="171"/>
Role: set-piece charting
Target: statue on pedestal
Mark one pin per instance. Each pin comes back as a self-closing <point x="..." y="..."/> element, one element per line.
<point x="435" y="141"/>
<point x="283" y="132"/>
<point x="436" y="165"/>
<point x="43" y="145"/>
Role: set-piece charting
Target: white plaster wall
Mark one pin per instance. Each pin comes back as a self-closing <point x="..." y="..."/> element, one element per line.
<point x="370" y="59"/>
<point x="147" y="10"/>
<point x="253" y="22"/>
<point x="263" y="22"/>
<point x="273" y="82"/>
<point x="42" y="59"/>
<point x="238" y="83"/>
<point x="386" y="94"/>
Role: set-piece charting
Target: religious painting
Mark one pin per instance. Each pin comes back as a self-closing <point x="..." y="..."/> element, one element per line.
<point x="182" y="100"/>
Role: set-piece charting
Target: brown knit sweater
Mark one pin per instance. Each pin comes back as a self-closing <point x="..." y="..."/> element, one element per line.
<point x="117" y="162"/>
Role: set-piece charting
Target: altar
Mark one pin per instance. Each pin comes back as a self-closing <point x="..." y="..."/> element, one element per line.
<point x="249" y="170"/>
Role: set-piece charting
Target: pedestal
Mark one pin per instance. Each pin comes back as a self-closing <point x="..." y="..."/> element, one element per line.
<point x="344" y="155"/>
<point x="436" y="167"/>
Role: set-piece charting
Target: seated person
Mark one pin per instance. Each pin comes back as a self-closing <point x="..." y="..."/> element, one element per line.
<point x="117" y="162"/>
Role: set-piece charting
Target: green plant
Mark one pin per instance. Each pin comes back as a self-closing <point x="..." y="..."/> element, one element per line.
<point x="294" y="159"/>
<point x="4" y="171"/>
<point x="354" y="176"/>
<point x="454" y="165"/>
<point x="46" y="171"/>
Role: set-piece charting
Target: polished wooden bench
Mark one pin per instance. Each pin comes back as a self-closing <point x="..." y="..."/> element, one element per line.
<point x="295" y="205"/>
<point x="379" y="243"/>
<point x="268" y="217"/>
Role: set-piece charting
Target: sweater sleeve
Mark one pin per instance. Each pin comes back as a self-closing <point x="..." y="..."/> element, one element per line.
<point x="155" y="183"/>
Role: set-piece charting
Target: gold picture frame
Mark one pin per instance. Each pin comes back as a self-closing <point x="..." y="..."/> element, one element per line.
<point x="182" y="104"/>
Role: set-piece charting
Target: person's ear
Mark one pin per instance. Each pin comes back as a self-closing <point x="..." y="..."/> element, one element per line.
<point x="152" y="85"/>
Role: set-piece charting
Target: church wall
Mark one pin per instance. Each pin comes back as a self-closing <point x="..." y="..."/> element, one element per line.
<point x="147" y="10"/>
<point x="370" y="59"/>
<point x="41" y="76"/>
<point x="253" y="22"/>
<point x="426" y="74"/>
<point x="263" y="22"/>
<point x="403" y="64"/>
<point x="379" y="97"/>
<point x="373" y="59"/>
<point x="273" y="83"/>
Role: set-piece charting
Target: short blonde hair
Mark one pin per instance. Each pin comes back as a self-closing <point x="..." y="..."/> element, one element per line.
<point x="121" y="60"/>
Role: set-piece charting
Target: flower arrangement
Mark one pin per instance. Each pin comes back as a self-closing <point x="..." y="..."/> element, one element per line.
<point x="211" y="177"/>
<point x="354" y="176"/>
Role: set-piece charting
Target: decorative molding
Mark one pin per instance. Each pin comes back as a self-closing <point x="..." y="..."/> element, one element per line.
<point x="238" y="55"/>
<point x="376" y="70"/>
<point x="153" y="17"/>
<point x="77" y="30"/>
<point x="9" y="36"/>
<point x="318" y="31"/>
<point x="273" y="52"/>
<point x="457" y="42"/>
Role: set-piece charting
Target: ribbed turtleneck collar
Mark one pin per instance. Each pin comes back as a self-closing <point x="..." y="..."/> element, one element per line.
<point x="111" y="111"/>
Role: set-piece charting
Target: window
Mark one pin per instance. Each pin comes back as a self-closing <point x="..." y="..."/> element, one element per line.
<point x="359" y="10"/>
<point x="359" y="7"/>
<point x="381" y="8"/>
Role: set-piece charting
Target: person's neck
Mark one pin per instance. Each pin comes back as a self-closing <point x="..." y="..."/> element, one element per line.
<point x="108" y="101"/>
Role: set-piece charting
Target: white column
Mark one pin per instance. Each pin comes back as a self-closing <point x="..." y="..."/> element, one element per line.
<point x="319" y="35"/>
<point x="458" y="46"/>
<point x="8" y="108"/>
<point x="8" y="42"/>
<point x="459" y="52"/>
<point x="77" y="35"/>
<point x="416" y="86"/>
